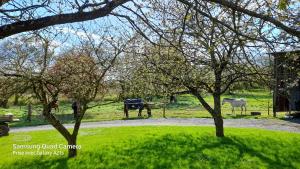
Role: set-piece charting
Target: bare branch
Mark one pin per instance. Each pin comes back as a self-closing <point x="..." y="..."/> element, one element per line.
<point x="35" y="24"/>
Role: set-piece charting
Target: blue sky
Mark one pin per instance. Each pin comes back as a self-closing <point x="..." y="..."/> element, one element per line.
<point x="73" y="31"/>
<point x="96" y="27"/>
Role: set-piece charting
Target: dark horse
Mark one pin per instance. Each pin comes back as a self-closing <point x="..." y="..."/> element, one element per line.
<point x="134" y="104"/>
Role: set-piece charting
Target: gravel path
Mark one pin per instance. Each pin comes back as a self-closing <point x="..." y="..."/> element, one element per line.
<point x="270" y="124"/>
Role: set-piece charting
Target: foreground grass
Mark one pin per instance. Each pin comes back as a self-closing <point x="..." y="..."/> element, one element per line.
<point x="160" y="147"/>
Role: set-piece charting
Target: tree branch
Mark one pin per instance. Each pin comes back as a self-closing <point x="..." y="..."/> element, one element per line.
<point x="267" y="18"/>
<point x="2" y="2"/>
<point x="35" y="24"/>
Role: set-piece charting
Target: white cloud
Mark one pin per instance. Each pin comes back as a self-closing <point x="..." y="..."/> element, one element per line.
<point x="81" y="34"/>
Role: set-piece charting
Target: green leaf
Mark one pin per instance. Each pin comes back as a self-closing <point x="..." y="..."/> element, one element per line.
<point x="282" y="5"/>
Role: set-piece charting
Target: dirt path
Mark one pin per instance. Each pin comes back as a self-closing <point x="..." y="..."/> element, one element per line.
<point x="291" y="126"/>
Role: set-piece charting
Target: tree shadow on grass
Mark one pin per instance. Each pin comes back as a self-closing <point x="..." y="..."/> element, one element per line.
<point x="239" y="116"/>
<point x="181" y="105"/>
<point x="292" y="120"/>
<point x="40" y="120"/>
<point x="136" y="118"/>
<point x="180" y="151"/>
<point x="187" y="151"/>
<point x="40" y="163"/>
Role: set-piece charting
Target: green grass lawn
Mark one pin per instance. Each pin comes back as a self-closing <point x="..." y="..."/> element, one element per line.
<point x="159" y="147"/>
<point x="186" y="107"/>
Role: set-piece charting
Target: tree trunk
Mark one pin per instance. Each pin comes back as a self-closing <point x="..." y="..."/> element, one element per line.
<point x="218" y="119"/>
<point x="72" y="141"/>
<point x="4" y="103"/>
<point x="70" y="138"/>
<point x="173" y="99"/>
<point x="215" y="113"/>
<point x="72" y="151"/>
<point x="60" y="128"/>
<point x="219" y="126"/>
<point x="16" y="101"/>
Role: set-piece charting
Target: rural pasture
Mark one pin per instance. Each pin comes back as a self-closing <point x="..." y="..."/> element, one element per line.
<point x="187" y="106"/>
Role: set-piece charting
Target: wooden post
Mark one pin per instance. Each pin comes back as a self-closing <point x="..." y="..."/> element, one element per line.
<point x="140" y="112"/>
<point x="164" y="110"/>
<point x="126" y="111"/>
<point x="165" y="100"/>
<point x="290" y="107"/>
<point x="147" y="105"/>
<point x="268" y="107"/>
<point x="29" y="112"/>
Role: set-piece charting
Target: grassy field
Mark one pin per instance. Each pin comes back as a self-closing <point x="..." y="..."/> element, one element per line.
<point x="158" y="147"/>
<point x="187" y="106"/>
